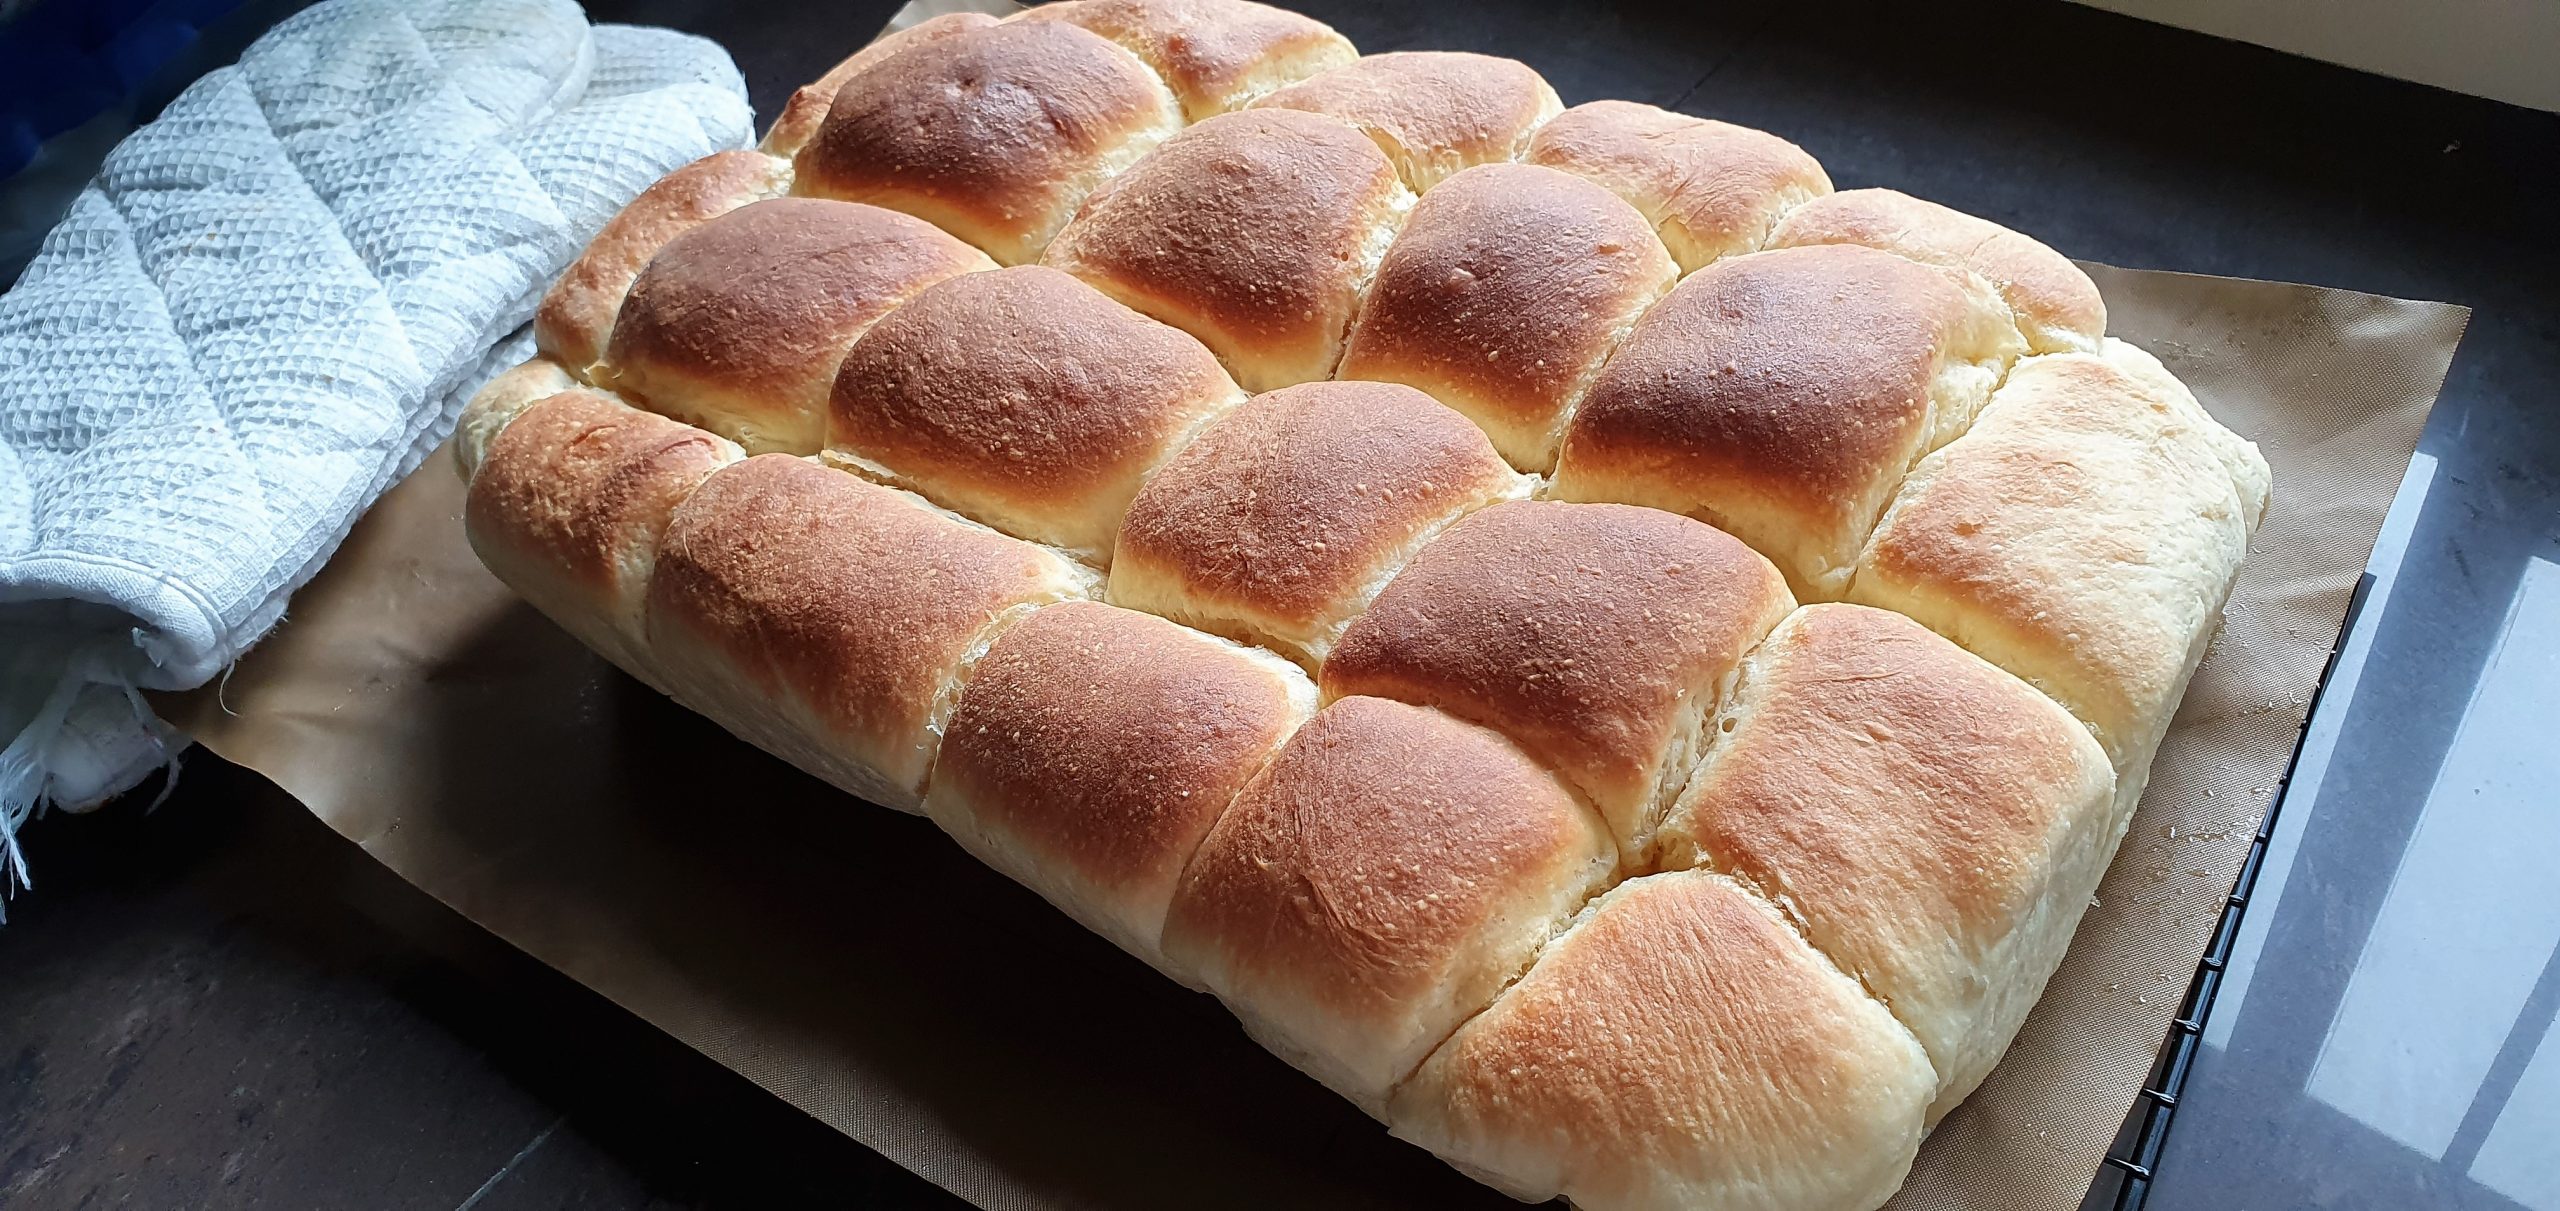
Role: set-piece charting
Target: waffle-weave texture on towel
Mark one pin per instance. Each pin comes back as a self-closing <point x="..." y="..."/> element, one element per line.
<point x="266" y="308"/>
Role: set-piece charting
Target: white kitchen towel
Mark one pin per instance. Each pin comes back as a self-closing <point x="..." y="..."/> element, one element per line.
<point x="269" y="306"/>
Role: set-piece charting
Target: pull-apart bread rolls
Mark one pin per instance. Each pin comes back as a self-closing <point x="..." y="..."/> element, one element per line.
<point x="1679" y="1047"/>
<point x="1503" y="295"/>
<point x="575" y="320"/>
<point x="807" y="109"/>
<point x="1094" y="747"/>
<point x="1597" y="637"/>
<point x="2082" y="535"/>
<point x="1782" y="396"/>
<point x="1432" y="112"/>
<point x="1711" y="189"/>
<point x="1377" y="884"/>
<point x="1537" y="816"/>
<point x="1025" y="399"/>
<point x="1217" y="55"/>
<point x="2057" y="306"/>
<point x="738" y="325"/>
<point x="1934" y="825"/>
<point x="568" y="502"/>
<point x="1256" y="232"/>
<point x="1280" y="521"/>
<point x="995" y="134"/>
<point x="829" y="621"/>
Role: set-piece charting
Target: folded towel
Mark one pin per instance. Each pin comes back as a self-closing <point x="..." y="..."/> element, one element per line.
<point x="265" y="310"/>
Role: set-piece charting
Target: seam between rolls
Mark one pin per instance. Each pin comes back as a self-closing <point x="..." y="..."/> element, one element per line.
<point x="1781" y="907"/>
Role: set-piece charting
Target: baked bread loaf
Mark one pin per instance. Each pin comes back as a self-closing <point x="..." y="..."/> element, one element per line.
<point x="1638" y="699"/>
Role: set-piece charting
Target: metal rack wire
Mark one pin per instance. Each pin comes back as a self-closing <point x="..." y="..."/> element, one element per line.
<point x="2136" y="1155"/>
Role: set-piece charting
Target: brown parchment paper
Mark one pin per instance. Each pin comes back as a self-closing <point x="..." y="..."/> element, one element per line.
<point x="860" y="966"/>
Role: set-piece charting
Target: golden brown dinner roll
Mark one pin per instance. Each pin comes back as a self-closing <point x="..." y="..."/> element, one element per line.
<point x="1782" y="395"/>
<point x="808" y="105"/>
<point x="1504" y="293"/>
<point x="1711" y="189"/>
<point x="2082" y="535"/>
<point x="497" y="404"/>
<point x="738" y="324"/>
<point x="1216" y="54"/>
<point x="1432" y="112"/>
<point x="995" y="134"/>
<point x="1597" y="637"/>
<point x="1254" y="231"/>
<point x="1023" y="398"/>
<point x="1092" y="749"/>
<point x="2057" y="306"/>
<point x="575" y="320"/>
<point x="568" y="504"/>
<point x="1282" y="519"/>
<point x="1935" y="825"/>
<point x="1388" y="873"/>
<point x="828" y="621"/>
<point x="1679" y="1047"/>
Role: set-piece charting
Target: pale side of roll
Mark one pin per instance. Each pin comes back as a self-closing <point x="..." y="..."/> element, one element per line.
<point x="2084" y="535"/>
<point x="1934" y="825"/>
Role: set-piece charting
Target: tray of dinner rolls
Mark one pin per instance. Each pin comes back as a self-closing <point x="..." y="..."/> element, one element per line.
<point x="1624" y="662"/>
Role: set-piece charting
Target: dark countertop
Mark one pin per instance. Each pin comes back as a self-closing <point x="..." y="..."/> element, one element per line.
<point x="197" y="1017"/>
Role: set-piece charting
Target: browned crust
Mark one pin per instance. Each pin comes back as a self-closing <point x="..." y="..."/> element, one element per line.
<point x="1363" y="870"/>
<point x="1505" y="291"/>
<point x="807" y="108"/>
<point x="1103" y="743"/>
<point x="1592" y="635"/>
<point x="746" y="317"/>
<point x="2057" y="304"/>
<point x="995" y="133"/>
<point x="1799" y="376"/>
<point x="498" y="403"/>
<point x="582" y="484"/>
<point x="1025" y="389"/>
<point x="1215" y="54"/>
<point x="1432" y="112"/>
<point x="1250" y="231"/>
<point x="1680" y="1046"/>
<point x="1711" y="188"/>
<point x="1291" y="502"/>
<point x="576" y="319"/>
<point x="855" y="601"/>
